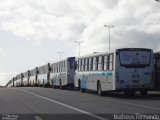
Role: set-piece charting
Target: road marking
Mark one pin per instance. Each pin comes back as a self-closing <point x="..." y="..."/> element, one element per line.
<point x="38" y="118"/>
<point x="133" y="104"/>
<point x="65" y="105"/>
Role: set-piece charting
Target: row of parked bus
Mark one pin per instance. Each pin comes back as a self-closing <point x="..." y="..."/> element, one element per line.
<point x="126" y="69"/>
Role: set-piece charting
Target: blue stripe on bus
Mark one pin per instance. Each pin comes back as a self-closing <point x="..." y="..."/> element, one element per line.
<point x="84" y="84"/>
<point x="84" y="77"/>
<point x="97" y="74"/>
<point x="109" y="74"/>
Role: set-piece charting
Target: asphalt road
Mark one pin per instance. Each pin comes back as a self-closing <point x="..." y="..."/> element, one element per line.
<point x="54" y="104"/>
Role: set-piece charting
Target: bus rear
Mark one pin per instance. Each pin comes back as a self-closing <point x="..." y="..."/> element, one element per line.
<point x="134" y="70"/>
<point x="70" y="71"/>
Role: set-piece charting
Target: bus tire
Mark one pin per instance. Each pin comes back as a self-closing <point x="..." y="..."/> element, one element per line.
<point x="143" y="92"/>
<point x="99" y="89"/>
<point x="60" y="84"/>
<point x="82" y="90"/>
<point x="130" y="93"/>
<point x="79" y="84"/>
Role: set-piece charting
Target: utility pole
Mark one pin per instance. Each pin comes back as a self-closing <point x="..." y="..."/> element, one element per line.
<point x="109" y="27"/>
<point x="60" y="54"/>
<point x="79" y="43"/>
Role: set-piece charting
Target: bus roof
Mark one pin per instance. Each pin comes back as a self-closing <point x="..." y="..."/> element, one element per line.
<point x="60" y="60"/>
<point x="111" y="51"/>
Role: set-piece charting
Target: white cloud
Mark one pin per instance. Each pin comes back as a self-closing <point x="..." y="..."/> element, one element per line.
<point x="136" y="25"/>
<point x="2" y="53"/>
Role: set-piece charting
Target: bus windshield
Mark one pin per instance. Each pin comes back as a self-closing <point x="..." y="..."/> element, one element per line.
<point x="71" y="62"/>
<point x="135" y="58"/>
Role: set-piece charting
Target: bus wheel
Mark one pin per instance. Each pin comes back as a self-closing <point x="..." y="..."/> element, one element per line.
<point x="82" y="90"/>
<point x="60" y="84"/>
<point x="130" y="93"/>
<point x="143" y="92"/>
<point x="79" y="84"/>
<point x="99" y="90"/>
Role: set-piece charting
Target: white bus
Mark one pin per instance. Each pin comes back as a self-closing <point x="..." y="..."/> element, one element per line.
<point x="26" y="76"/>
<point x="44" y="75"/>
<point x="34" y="77"/>
<point x="62" y="73"/>
<point x="10" y="83"/>
<point x="127" y="69"/>
<point x="18" y="80"/>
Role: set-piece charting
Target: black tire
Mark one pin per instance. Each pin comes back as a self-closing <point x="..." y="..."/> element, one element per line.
<point x="79" y="85"/>
<point x="60" y="84"/>
<point x="82" y="90"/>
<point x="144" y="92"/>
<point x="99" y="90"/>
<point x="36" y="85"/>
<point x="71" y="87"/>
<point x="47" y="85"/>
<point x="130" y="93"/>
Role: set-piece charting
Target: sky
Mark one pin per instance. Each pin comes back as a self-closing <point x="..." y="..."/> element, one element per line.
<point x="33" y="31"/>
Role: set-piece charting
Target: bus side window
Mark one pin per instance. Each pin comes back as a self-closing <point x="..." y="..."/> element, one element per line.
<point x="100" y="63"/>
<point x="95" y="63"/>
<point x="82" y="62"/>
<point x="79" y="64"/>
<point x="83" y="67"/>
<point x="106" y="62"/>
<point x="63" y="70"/>
<point x="86" y="64"/>
<point x="61" y="66"/>
<point x="90" y="64"/>
<point x="56" y="67"/>
<point x="85" y="60"/>
<point x="45" y="69"/>
<point x="53" y="68"/>
<point x="111" y="62"/>
<point x="64" y="66"/>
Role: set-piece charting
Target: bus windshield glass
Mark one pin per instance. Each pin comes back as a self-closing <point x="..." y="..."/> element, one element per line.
<point x="71" y="63"/>
<point x="135" y="58"/>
